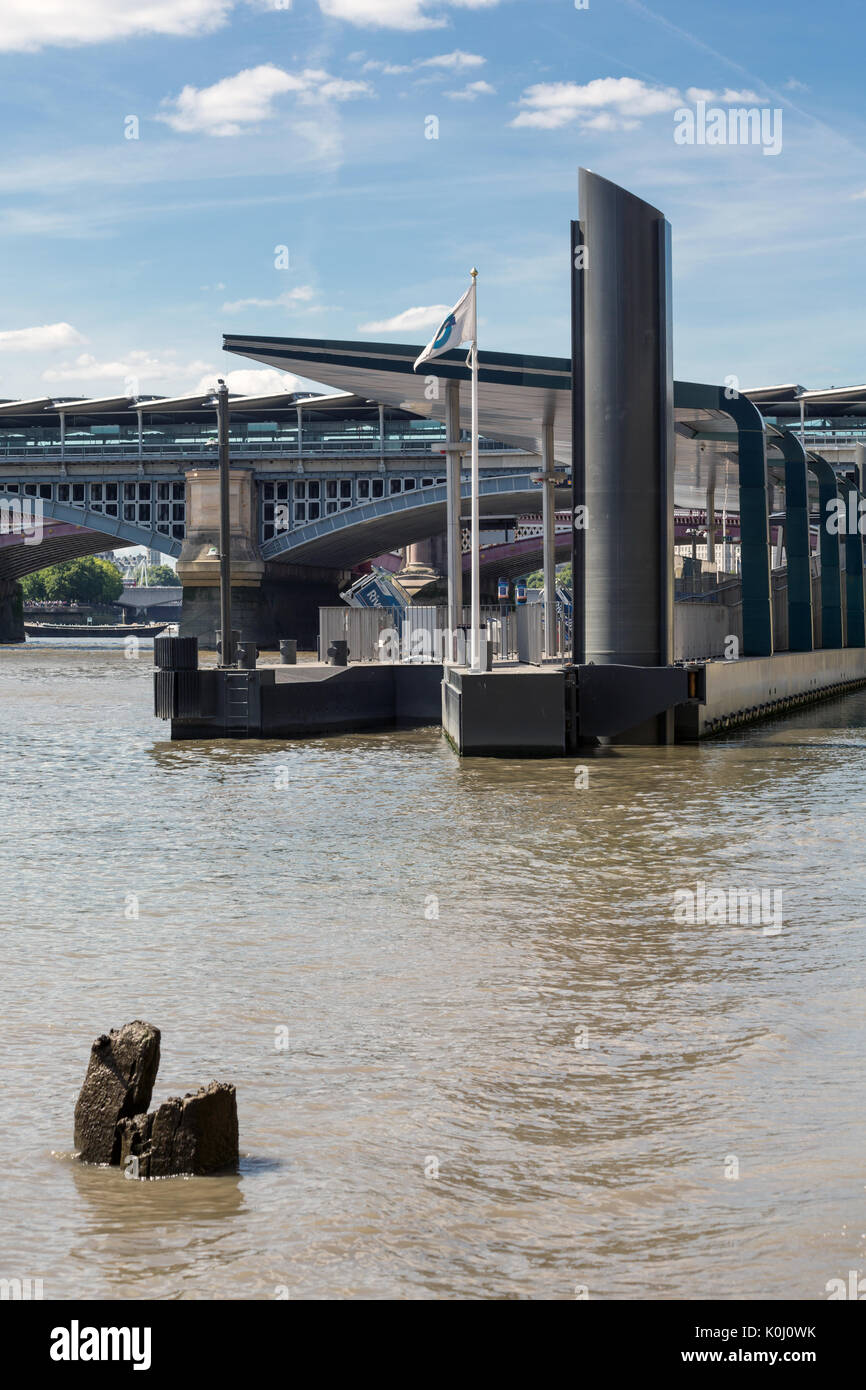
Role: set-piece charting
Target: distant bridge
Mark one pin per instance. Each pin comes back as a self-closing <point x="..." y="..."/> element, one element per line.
<point x="357" y="533"/>
<point x="64" y="539"/>
<point x="126" y="500"/>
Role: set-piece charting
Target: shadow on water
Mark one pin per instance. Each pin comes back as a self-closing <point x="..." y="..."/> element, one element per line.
<point x="117" y="1203"/>
<point x="163" y="1232"/>
<point x="224" y="752"/>
<point x="252" y="1164"/>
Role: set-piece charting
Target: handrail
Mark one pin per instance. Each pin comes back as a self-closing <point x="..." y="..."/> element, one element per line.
<point x="128" y="450"/>
<point x="832" y="437"/>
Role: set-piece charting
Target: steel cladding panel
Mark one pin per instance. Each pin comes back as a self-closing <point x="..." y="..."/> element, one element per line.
<point x="628" y="439"/>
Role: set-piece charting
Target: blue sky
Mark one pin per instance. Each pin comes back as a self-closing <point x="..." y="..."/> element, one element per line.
<point x="263" y="123"/>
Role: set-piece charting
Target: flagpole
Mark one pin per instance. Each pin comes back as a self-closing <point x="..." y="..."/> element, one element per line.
<point x="475" y="539"/>
<point x="462" y="324"/>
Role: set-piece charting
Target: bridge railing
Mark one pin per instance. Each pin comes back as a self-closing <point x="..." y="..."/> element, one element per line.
<point x="832" y="439"/>
<point x="128" y="451"/>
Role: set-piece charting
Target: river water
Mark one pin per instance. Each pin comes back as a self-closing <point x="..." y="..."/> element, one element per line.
<point x="477" y="1051"/>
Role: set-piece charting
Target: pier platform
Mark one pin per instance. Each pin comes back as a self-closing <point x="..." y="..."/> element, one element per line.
<point x="515" y="710"/>
<point x="729" y="694"/>
<point x="297" y="701"/>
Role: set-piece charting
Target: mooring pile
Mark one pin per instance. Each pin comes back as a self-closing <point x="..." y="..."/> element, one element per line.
<point x="193" y="1134"/>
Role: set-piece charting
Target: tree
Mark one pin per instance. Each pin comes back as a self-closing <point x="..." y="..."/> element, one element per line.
<point x="87" y="580"/>
<point x="164" y="575"/>
<point x="33" y="585"/>
<point x="563" y="576"/>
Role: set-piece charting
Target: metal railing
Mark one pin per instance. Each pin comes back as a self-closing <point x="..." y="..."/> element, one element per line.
<point x="845" y="438"/>
<point x="420" y="634"/>
<point x="128" y="450"/>
<point x="359" y="627"/>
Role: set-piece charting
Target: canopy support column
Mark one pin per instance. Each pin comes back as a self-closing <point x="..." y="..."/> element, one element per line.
<point x="855" y="626"/>
<point x="828" y="546"/>
<point x="754" y="518"/>
<point x="797" y="547"/>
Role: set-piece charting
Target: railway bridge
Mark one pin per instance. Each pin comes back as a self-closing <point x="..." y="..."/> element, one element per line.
<point x="80" y="477"/>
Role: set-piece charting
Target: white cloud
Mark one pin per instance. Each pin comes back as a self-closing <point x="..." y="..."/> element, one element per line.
<point x="729" y="97"/>
<point x="398" y="14"/>
<point x="333" y="88"/>
<point x="622" y="100"/>
<point x="248" y="381"/>
<point x="158" y="370"/>
<point x="410" y="319"/>
<point x="229" y="104"/>
<point x="247" y="98"/>
<point x="49" y="335"/>
<point x="389" y="69"/>
<point x="472" y="92"/>
<point x="605" y="121"/>
<point x="28" y="25"/>
<point x="382" y="14"/>
<point x="288" y="299"/>
<point x="457" y="61"/>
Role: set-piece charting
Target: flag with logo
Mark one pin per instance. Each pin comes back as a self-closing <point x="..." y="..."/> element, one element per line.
<point x="456" y="328"/>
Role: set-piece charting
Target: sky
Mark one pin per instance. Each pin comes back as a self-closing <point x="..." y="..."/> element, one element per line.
<point x="175" y="169"/>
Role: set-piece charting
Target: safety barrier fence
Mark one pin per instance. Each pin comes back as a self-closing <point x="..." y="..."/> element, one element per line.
<point x="421" y="633"/>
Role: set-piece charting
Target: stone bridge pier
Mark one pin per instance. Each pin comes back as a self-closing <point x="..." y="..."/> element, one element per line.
<point x="270" y="601"/>
<point x="11" y="611"/>
<point x="425" y="565"/>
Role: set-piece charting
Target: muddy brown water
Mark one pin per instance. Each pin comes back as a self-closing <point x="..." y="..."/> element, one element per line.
<point x="476" y="1053"/>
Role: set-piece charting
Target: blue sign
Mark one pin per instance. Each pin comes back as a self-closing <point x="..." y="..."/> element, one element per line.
<point x="375" y="592"/>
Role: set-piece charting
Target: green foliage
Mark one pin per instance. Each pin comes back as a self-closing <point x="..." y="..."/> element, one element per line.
<point x="33" y="585"/>
<point x="87" y="580"/>
<point x="163" y="575"/>
<point x="563" y="576"/>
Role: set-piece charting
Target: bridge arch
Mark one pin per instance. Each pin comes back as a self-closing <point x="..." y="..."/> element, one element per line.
<point x="68" y="533"/>
<point x="361" y="532"/>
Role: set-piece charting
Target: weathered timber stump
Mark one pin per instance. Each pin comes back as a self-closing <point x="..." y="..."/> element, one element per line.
<point x="118" y="1084"/>
<point x="197" y="1134"/>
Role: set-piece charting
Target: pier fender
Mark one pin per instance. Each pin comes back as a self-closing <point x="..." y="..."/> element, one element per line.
<point x="614" y="698"/>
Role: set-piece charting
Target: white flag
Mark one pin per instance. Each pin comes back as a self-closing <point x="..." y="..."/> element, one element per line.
<point x="456" y="328"/>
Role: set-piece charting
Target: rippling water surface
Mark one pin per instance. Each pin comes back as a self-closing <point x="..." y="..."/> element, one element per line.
<point x="480" y="974"/>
